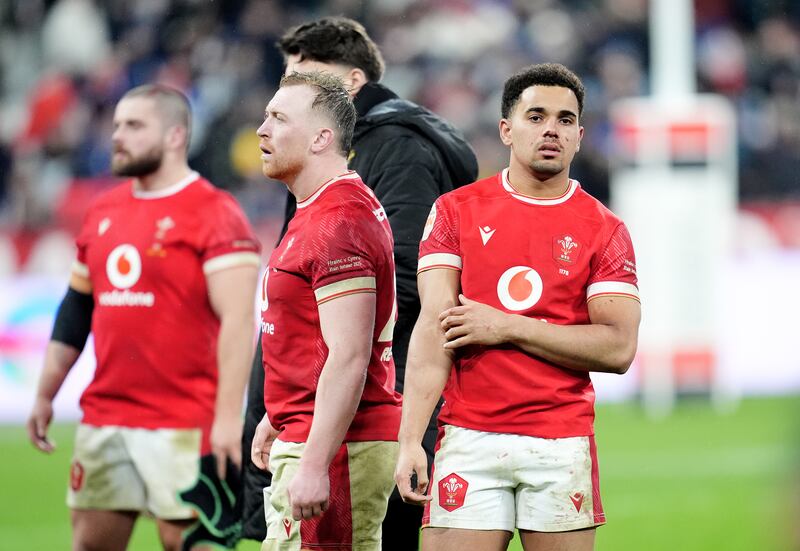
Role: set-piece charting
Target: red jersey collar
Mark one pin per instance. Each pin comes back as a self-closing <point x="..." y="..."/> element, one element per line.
<point x="349" y="175"/>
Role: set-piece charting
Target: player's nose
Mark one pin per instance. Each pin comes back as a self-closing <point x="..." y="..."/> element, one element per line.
<point x="550" y="127"/>
<point x="263" y="130"/>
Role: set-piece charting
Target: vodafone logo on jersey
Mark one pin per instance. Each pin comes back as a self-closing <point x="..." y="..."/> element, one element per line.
<point x="519" y="288"/>
<point x="267" y="328"/>
<point x="124" y="268"/>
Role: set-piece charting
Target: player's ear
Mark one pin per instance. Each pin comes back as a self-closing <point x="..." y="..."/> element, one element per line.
<point x="505" y="131"/>
<point x="177" y="137"/>
<point x="355" y="80"/>
<point x="323" y="139"/>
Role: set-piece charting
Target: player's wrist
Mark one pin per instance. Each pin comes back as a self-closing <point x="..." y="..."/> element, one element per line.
<point x="518" y="329"/>
<point x="43" y="400"/>
<point x="311" y="464"/>
<point x="228" y="416"/>
<point x="409" y="440"/>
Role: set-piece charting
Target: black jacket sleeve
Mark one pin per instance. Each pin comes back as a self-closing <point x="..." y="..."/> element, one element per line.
<point x="405" y="172"/>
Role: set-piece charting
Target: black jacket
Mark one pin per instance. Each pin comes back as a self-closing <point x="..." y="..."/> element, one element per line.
<point x="409" y="156"/>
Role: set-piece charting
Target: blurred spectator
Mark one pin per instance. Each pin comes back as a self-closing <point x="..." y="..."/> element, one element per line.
<point x="450" y="55"/>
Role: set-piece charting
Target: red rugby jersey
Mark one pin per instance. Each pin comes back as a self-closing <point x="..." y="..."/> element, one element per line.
<point x="147" y="255"/>
<point x="338" y="243"/>
<point x="541" y="258"/>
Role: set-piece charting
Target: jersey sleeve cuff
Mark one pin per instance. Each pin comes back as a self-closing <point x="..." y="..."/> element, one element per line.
<point x="231" y="260"/>
<point x="345" y="287"/>
<point x="439" y="260"/>
<point x="612" y="288"/>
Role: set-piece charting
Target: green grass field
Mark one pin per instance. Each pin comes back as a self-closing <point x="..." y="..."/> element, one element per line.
<point x="695" y="481"/>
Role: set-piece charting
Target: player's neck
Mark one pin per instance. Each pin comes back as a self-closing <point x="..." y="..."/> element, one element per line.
<point x="314" y="175"/>
<point x="165" y="176"/>
<point x="541" y="186"/>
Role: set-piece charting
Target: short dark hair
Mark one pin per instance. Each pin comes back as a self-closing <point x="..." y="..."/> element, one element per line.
<point x="543" y="74"/>
<point x="335" y="40"/>
<point x="171" y="103"/>
<point x="331" y="99"/>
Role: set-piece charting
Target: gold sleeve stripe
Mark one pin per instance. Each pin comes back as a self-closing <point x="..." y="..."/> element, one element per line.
<point x="81" y="269"/>
<point x="344" y="294"/>
<point x="617" y="288"/>
<point x="345" y="287"/>
<point x="230" y="260"/>
<point x="439" y="260"/>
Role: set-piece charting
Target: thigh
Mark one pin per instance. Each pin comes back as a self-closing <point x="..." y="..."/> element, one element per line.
<point x="283" y="533"/>
<point x="472" y="486"/>
<point x="171" y="533"/>
<point x="103" y="475"/>
<point x="579" y="540"/>
<point x="94" y="530"/>
<point x="361" y="477"/>
<point x="368" y="478"/>
<point x="456" y="539"/>
<point x="168" y="461"/>
<point x="558" y="484"/>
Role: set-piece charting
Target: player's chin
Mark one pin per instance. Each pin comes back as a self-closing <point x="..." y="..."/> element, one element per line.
<point x="269" y="170"/>
<point x="119" y="165"/>
<point x="548" y="166"/>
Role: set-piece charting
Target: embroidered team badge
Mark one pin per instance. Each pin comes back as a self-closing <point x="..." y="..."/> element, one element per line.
<point x="452" y="492"/>
<point x="566" y="249"/>
<point x="162" y="227"/>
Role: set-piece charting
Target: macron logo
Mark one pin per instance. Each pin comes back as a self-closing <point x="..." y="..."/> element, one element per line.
<point x="486" y="234"/>
<point x="577" y="500"/>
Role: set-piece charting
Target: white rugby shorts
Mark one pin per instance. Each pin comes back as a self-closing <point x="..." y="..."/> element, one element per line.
<point x="492" y="481"/>
<point x="132" y="469"/>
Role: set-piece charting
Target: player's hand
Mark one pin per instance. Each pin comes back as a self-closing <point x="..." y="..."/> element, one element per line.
<point x="473" y="323"/>
<point x="226" y="441"/>
<point x="262" y="443"/>
<point x="412" y="461"/>
<point x="39" y="422"/>
<point x="309" y="492"/>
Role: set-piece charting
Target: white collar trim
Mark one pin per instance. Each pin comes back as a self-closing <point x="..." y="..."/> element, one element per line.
<point x="573" y="186"/>
<point x="349" y="175"/>
<point x="169" y="190"/>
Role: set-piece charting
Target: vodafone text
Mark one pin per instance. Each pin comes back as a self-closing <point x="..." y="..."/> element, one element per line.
<point x="267" y="328"/>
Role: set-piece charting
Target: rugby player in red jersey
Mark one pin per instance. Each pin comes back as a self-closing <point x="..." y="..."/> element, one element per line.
<point x="165" y="276"/>
<point x="527" y="284"/>
<point x="327" y="317"/>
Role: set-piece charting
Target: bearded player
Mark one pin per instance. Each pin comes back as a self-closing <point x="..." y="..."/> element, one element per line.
<point x="165" y="277"/>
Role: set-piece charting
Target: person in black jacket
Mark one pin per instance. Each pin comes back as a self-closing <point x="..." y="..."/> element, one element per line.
<point x="408" y="156"/>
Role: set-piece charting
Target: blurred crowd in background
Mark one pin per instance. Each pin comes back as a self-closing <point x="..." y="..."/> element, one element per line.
<point x="65" y="63"/>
